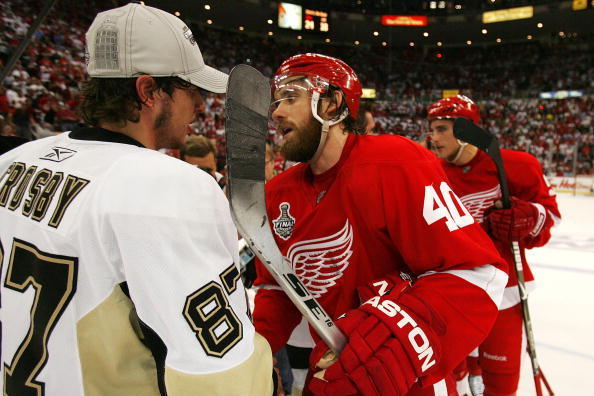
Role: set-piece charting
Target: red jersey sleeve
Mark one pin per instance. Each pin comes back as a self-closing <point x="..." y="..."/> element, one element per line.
<point x="460" y="275"/>
<point x="275" y="316"/>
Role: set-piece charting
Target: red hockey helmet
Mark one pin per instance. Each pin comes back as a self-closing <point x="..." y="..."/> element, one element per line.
<point x="454" y="107"/>
<point x="322" y="70"/>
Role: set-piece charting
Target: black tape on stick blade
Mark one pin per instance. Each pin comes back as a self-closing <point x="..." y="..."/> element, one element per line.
<point x="246" y="122"/>
<point x="246" y="144"/>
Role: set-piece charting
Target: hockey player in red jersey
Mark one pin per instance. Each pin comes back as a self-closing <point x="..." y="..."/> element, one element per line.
<point x="534" y="211"/>
<point x="372" y="228"/>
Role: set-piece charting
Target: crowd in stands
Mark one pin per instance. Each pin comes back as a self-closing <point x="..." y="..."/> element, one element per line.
<point x="554" y="131"/>
<point x="40" y="95"/>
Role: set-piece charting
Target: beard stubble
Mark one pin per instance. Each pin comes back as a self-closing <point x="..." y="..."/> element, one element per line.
<point x="303" y="143"/>
<point x="166" y="136"/>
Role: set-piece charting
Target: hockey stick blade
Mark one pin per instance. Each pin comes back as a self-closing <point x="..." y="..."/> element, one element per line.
<point x="469" y="132"/>
<point x="246" y="127"/>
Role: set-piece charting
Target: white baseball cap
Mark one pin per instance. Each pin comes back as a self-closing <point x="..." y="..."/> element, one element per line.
<point x="135" y="39"/>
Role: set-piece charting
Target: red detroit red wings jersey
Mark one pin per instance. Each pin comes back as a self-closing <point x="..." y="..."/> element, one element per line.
<point x="374" y="213"/>
<point x="477" y="185"/>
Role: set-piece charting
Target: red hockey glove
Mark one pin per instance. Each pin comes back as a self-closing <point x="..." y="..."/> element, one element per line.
<point x="393" y="284"/>
<point x="389" y="346"/>
<point x="522" y="220"/>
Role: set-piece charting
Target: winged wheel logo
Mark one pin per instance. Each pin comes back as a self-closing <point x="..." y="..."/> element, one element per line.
<point x="320" y="262"/>
<point x="478" y="202"/>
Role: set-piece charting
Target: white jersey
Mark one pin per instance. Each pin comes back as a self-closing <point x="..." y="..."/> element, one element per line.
<point x="120" y="275"/>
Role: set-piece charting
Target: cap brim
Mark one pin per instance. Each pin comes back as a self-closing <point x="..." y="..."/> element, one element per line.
<point x="208" y="78"/>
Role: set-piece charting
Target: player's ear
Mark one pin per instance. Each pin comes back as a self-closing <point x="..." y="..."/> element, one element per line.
<point x="332" y="104"/>
<point x="338" y="99"/>
<point x="146" y="87"/>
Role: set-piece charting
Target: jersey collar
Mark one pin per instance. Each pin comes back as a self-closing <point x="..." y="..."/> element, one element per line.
<point x="103" y="135"/>
<point x="331" y="172"/>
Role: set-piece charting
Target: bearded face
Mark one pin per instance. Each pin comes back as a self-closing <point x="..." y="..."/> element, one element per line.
<point x="295" y="122"/>
<point x="301" y="142"/>
<point x="176" y="112"/>
<point x="163" y="127"/>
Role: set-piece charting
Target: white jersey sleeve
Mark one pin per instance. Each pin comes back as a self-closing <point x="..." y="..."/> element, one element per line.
<point x="178" y="248"/>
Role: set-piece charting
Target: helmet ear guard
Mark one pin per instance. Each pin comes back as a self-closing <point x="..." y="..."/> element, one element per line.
<point x="315" y="98"/>
<point x="319" y="84"/>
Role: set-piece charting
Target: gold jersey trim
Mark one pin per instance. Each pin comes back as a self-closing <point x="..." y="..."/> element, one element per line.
<point x="251" y="378"/>
<point x="113" y="359"/>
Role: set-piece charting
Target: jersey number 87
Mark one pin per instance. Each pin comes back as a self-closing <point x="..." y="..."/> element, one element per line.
<point x="54" y="279"/>
<point x="209" y="314"/>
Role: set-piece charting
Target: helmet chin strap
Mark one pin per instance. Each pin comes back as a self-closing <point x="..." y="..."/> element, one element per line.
<point x="326" y="124"/>
<point x="461" y="145"/>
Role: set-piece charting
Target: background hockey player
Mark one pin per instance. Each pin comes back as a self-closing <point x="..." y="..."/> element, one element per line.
<point x="473" y="177"/>
<point x="373" y="230"/>
<point x="120" y="264"/>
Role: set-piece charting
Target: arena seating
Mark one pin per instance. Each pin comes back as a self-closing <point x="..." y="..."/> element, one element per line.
<point x="40" y="95"/>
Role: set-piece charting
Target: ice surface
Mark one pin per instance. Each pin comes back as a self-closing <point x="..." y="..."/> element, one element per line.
<point x="562" y="306"/>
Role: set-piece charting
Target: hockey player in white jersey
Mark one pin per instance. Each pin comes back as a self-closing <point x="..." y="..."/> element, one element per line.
<point x="120" y="264"/>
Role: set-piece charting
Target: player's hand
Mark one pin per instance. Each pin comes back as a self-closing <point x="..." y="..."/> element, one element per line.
<point x="324" y="357"/>
<point x="379" y="357"/>
<point x="513" y="224"/>
<point x="393" y="284"/>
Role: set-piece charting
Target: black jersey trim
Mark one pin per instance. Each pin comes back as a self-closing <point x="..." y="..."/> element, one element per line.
<point x="274" y="382"/>
<point x="103" y="135"/>
<point x="7" y="143"/>
<point x="154" y="343"/>
<point x="298" y="357"/>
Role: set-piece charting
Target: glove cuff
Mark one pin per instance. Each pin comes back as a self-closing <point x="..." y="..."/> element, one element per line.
<point x="540" y="219"/>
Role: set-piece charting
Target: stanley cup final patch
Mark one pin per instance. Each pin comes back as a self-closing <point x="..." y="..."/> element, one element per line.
<point x="283" y="225"/>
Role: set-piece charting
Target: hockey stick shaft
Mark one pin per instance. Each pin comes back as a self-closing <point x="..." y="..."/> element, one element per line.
<point x="313" y="312"/>
<point x="246" y="127"/>
<point x="469" y="132"/>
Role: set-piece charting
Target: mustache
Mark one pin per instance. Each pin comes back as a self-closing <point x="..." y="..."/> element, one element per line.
<point x="282" y="126"/>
